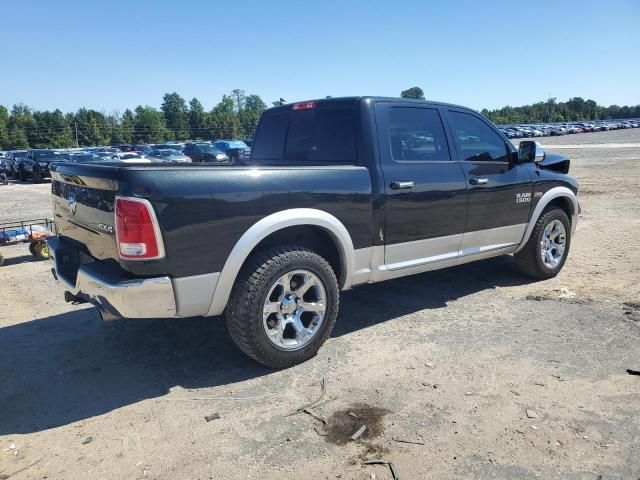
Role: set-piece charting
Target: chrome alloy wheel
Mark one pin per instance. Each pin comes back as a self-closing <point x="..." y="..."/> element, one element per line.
<point x="294" y="309"/>
<point x="553" y="244"/>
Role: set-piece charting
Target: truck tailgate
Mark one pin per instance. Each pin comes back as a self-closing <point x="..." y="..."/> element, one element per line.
<point x="83" y="209"/>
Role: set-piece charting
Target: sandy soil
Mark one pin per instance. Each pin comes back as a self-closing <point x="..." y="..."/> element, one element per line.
<point x="490" y="374"/>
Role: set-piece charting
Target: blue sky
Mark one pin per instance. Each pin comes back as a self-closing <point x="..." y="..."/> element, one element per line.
<point x="110" y="55"/>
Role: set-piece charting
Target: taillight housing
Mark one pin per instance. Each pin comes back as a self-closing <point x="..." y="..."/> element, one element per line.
<point x="138" y="235"/>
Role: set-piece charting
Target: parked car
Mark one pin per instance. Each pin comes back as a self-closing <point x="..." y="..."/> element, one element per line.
<point x="35" y="164"/>
<point x="163" y="146"/>
<point x="334" y="197"/>
<point x="237" y="151"/>
<point x="515" y="132"/>
<point x="130" y="157"/>
<point x="167" y="155"/>
<point x="204" y="152"/>
<point x="11" y="158"/>
<point x="507" y="133"/>
<point x="4" y="170"/>
<point x="82" y="157"/>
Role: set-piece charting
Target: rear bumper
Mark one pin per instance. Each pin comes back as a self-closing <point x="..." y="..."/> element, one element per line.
<point x="105" y="287"/>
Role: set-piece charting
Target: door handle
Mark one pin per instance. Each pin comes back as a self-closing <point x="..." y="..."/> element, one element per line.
<point x="396" y="185"/>
<point x="479" y="181"/>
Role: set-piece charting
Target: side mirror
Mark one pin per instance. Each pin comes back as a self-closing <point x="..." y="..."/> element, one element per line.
<point x="530" y="151"/>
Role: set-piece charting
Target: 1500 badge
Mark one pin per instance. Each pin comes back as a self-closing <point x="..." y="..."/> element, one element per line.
<point x="523" y="197"/>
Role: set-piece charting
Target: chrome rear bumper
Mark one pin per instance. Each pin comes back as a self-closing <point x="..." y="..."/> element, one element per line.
<point x="115" y="295"/>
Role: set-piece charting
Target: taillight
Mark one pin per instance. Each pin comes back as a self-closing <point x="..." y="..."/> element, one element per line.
<point x="137" y="232"/>
<point x="305" y="105"/>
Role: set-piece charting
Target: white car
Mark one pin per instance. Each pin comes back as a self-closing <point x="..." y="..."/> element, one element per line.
<point x="130" y="157"/>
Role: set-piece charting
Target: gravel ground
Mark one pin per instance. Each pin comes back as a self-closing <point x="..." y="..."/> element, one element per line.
<point x="489" y="374"/>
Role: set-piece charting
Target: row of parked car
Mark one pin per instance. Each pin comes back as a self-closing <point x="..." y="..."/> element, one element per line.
<point x="34" y="164"/>
<point x="528" y="131"/>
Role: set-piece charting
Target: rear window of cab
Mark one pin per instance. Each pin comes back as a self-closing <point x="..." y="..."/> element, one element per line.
<point x="313" y="135"/>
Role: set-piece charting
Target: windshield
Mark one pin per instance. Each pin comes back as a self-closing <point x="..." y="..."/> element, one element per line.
<point x="209" y="149"/>
<point x="165" y="153"/>
<point x="170" y="146"/>
<point x="48" y="155"/>
<point x="84" y="158"/>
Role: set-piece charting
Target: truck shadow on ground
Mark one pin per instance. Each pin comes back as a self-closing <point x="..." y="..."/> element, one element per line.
<point x="64" y="368"/>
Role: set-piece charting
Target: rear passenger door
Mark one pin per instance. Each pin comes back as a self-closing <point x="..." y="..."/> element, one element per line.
<point x="499" y="188"/>
<point x="426" y="204"/>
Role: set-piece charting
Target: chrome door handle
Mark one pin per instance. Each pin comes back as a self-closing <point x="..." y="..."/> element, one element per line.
<point x="395" y="185"/>
<point x="479" y="181"/>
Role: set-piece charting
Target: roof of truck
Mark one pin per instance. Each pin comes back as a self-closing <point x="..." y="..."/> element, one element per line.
<point x="374" y="99"/>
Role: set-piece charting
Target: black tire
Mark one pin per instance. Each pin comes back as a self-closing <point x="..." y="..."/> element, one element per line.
<point x="37" y="178"/>
<point x="1" y="260"/>
<point x="529" y="260"/>
<point x="21" y="175"/>
<point x="32" y="248"/>
<point x="244" y="312"/>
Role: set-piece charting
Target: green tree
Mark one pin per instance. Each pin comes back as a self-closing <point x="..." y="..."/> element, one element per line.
<point x="250" y="114"/>
<point x="413" y="92"/>
<point x="149" y="126"/>
<point x="223" y="120"/>
<point x="17" y="139"/>
<point x="92" y="126"/>
<point x="197" y="120"/>
<point x="21" y="126"/>
<point x="176" y="115"/>
<point x="127" y="124"/>
<point x="4" y="128"/>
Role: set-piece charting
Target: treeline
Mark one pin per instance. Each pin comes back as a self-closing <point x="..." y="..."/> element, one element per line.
<point x="234" y="117"/>
<point x="574" y="109"/>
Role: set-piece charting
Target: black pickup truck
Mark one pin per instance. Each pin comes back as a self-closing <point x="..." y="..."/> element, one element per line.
<point x="35" y="164"/>
<point x="337" y="193"/>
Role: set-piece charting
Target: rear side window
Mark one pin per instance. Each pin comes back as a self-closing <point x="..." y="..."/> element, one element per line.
<point x="417" y="134"/>
<point x="311" y="136"/>
<point x="476" y="140"/>
<point x="270" y="137"/>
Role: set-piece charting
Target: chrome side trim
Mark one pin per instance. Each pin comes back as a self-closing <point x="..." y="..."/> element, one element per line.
<point x="269" y="225"/>
<point x="408" y="254"/>
<point x="194" y="294"/>
<point x="379" y="272"/>
<point x="492" y="239"/>
<point x="542" y="203"/>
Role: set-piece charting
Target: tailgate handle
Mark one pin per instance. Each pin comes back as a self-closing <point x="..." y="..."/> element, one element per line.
<point x="479" y="181"/>
<point x="396" y="185"/>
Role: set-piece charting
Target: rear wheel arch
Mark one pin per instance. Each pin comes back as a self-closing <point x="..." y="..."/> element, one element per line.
<point x="299" y="223"/>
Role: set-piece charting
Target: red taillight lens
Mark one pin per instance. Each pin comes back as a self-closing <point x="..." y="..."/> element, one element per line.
<point x="137" y="231"/>
<point x="305" y="105"/>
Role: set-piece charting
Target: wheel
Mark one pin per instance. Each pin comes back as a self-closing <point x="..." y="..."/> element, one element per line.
<point x="548" y="246"/>
<point x="21" y="175"/>
<point x="37" y="178"/>
<point x="32" y="248"/>
<point x="1" y="260"/>
<point x="42" y="250"/>
<point x="283" y="306"/>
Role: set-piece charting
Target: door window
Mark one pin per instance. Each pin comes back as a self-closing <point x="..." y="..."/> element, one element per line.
<point x="476" y="140"/>
<point x="417" y="134"/>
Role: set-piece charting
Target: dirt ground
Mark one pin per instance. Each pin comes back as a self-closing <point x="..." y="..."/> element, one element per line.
<point x="488" y="374"/>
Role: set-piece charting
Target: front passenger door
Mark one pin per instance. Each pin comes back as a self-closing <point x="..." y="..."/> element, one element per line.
<point x="499" y="189"/>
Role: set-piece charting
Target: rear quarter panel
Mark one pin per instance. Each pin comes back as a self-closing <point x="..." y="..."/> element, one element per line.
<point x="203" y="211"/>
